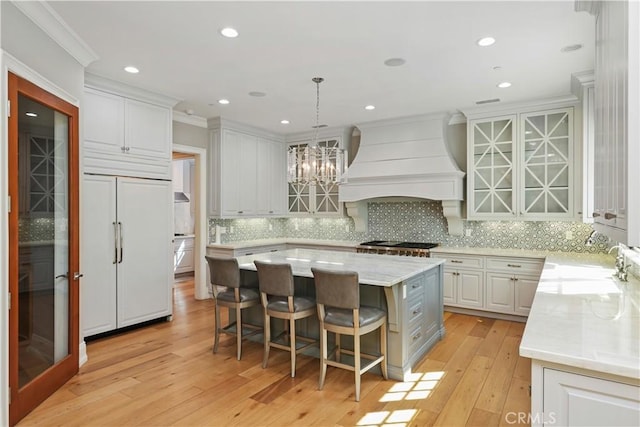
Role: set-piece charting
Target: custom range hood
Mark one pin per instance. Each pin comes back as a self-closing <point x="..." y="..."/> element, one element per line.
<point x="405" y="157"/>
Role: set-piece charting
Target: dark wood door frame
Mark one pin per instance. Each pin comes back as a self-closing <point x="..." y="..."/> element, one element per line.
<point x="35" y="392"/>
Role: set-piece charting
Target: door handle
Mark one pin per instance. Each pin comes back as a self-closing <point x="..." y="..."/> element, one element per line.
<point x="77" y="275"/>
<point x="60" y="276"/>
<point x="115" y="242"/>
<point x="121" y="241"/>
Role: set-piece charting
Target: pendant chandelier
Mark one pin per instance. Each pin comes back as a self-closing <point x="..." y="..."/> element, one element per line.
<point x="316" y="162"/>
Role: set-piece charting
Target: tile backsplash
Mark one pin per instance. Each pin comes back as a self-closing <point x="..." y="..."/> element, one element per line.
<point x="421" y="221"/>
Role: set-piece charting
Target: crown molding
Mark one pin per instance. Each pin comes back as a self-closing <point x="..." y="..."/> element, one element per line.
<point x="54" y="26"/>
<point x="520" y="107"/>
<point x="117" y="88"/>
<point x="215" y="123"/>
<point x="457" y="118"/>
<point x="189" y="119"/>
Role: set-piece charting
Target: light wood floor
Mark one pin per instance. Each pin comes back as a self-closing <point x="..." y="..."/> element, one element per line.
<point x="165" y="374"/>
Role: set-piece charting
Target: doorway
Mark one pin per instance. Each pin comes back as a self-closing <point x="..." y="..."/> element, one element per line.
<point x="43" y="244"/>
<point x="198" y="197"/>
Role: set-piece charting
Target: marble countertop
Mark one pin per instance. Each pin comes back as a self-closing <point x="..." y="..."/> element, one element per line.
<point x="372" y="269"/>
<point x="282" y="241"/>
<point x="583" y="317"/>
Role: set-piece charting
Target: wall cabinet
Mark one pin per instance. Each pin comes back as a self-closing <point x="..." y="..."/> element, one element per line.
<point x="497" y="284"/>
<point x="617" y="105"/>
<point x="126" y="258"/>
<point x="315" y="198"/>
<point x="125" y="136"/>
<point x="247" y="174"/>
<point x="520" y="166"/>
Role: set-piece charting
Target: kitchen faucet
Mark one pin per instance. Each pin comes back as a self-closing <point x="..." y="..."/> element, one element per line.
<point x="621" y="267"/>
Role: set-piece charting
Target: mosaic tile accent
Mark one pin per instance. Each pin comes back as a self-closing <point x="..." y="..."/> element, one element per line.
<point x="419" y="222"/>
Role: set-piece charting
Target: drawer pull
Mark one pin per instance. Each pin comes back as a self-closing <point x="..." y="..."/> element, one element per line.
<point x="415" y="286"/>
<point x="414" y="312"/>
<point x="240" y="212"/>
<point x="595" y="214"/>
<point x="514" y="265"/>
<point x="416" y="336"/>
<point x="610" y="215"/>
<point x="455" y="261"/>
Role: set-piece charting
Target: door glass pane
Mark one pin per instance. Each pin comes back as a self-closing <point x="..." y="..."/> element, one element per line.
<point x="43" y="324"/>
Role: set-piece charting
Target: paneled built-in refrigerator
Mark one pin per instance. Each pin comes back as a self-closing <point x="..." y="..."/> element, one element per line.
<point x="127" y="252"/>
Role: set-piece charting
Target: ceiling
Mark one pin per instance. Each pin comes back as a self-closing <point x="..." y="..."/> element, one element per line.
<point x="283" y="45"/>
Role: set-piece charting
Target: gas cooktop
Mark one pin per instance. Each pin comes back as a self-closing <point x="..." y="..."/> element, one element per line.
<point x="399" y="245"/>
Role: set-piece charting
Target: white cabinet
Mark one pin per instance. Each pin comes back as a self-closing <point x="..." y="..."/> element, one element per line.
<point x="521" y="166"/>
<point x="247" y="173"/>
<point x="617" y="105"/>
<point x="271" y="182"/>
<point x="463" y="284"/>
<point x="315" y="198"/>
<point x="511" y="284"/>
<point x="125" y="136"/>
<point x="498" y="284"/>
<point x="183" y="255"/>
<point x="572" y="399"/>
<point x="126" y="252"/>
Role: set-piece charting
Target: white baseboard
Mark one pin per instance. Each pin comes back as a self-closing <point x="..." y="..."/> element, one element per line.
<point x="82" y="357"/>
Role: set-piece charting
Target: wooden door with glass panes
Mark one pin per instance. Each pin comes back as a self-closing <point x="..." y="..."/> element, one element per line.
<point x="492" y="180"/>
<point x="547" y="167"/>
<point x="315" y="197"/>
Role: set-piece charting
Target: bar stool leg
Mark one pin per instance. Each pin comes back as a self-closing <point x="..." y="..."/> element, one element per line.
<point x="323" y="357"/>
<point x="338" y="347"/>
<point x="239" y="330"/>
<point x="267" y="339"/>
<point x="356" y="359"/>
<point x="216" y="335"/>
<point x="292" y="343"/>
<point x="383" y="349"/>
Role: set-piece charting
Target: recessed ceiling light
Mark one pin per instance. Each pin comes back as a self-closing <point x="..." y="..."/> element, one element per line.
<point x="394" y="62"/>
<point x="229" y="32"/>
<point x="571" y="48"/>
<point x="223" y="101"/>
<point x="30" y="114"/>
<point x="370" y="107"/>
<point x="486" y="41"/>
<point x="257" y="94"/>
<point x="284" y="122"/>
<point x="504" y="85"/>
<point x="131" y="69"/>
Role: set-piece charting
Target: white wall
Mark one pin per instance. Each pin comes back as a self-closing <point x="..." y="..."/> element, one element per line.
<point x="29" y="52"/>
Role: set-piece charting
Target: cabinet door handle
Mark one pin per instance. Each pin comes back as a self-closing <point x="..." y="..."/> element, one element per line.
<point x="127" y="149"/>
<point x="123" y="148"/>
<point x="595" y="214"/>
<point x="270" y="212"/>
<point x="514" y="265"/>
<point x="609" y="215"/>
<point x="121" y="241"/>
<point x="115" y="242"/>
<point x="240" y="212"/>
<point x="515" y="279"/>
<point x="455" y="261"/>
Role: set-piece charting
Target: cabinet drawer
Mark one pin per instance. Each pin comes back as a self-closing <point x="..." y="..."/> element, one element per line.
<point x="415" y="289"/>
<point x="415" y="313"/>
<point x="416" y="337"/>
<point x="462" y="261"/>
<point x="516" y="265"/>
<point x="183" y="243"/>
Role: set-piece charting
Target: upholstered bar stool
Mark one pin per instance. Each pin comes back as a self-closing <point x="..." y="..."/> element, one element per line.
<point x="279" y="301"/>
<point x="225" y="272"/>
<point x="340" y="312"/>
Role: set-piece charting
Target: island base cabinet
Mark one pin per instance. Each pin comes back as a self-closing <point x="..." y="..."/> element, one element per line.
<point x="572" y="399"/>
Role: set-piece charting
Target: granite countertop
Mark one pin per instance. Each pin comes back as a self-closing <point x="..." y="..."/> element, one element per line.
<point x="282" y="241"/>
<point x="583" y="317"/>
<point x="371" y="268"/>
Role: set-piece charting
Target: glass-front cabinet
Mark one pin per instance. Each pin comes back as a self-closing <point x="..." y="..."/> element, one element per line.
<point x="317" y="198"/>
<point x="520" y="166"/>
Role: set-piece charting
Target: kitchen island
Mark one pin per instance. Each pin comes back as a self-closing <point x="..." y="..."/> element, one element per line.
<point x="409" y="289"/>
